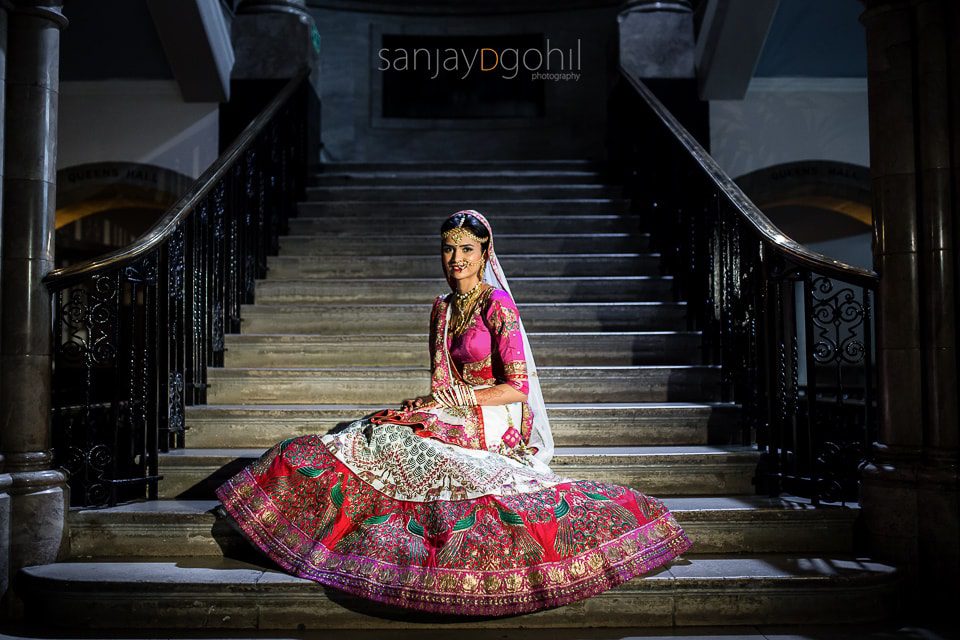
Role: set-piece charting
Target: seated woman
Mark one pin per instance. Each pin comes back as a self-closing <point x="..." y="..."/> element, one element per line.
<point x="448" y="504"/>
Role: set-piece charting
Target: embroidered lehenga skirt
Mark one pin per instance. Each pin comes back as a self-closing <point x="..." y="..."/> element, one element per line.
<point x="388" y="515"/>
<point x="445" y="509"/>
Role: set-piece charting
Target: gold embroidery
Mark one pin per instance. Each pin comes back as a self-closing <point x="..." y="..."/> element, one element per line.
<point x="449" y="582"/>
<point x="513" y="583"/>
<point x="491" y="584"/>
<point x="536" y="578"/>
<point x="504" y="318"/>
<point x="515" y="368"/>
<point x="526" y="422"/>
<point x="556" y="575"/>
<point x="516" y="373"/>
<point x="472" y="371"/>
<point x="578" y="568"/>
<point x="440" y="376"/>
<point x="386" y="575"/>
<point x="470" y="583"/>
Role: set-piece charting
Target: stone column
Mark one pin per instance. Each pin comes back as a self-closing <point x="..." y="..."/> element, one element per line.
<point x="37" y="493"/>
<point x="909" y="495"/>
<point x="5" y="479"/>
<point x="5" y="482"/>
<point x="272" y="41"/>
<point x="656" y="38"/>
<point x="889" y="485"/>
<point x="937" y="499"/>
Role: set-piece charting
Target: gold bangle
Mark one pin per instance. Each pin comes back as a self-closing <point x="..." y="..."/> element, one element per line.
<point x="458" y="395"/>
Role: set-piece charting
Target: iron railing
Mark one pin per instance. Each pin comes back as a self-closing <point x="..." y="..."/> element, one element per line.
<point x="135" y="330"/>
<point x="791" y="329"/>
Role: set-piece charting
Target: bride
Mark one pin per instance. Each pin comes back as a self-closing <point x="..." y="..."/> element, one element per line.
<point x="448" y="504"/>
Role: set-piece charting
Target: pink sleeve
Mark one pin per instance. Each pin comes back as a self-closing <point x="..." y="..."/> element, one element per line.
<point x="503" y="320"/>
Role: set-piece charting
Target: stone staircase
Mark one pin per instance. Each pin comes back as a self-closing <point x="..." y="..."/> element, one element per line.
<point x="339" y="330"/>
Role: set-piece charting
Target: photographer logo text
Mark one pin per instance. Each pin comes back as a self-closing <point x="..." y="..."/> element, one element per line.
<point x="551" y="63"/>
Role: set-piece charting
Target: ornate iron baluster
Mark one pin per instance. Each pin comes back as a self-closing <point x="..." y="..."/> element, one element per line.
<point x="791" y="330"/>
<point x="137" y="329"/>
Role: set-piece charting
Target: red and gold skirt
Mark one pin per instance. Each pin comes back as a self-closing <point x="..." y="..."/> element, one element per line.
<point x="381" y="513"/>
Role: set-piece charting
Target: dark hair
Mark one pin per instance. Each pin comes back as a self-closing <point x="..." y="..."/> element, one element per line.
<point x="470" y="223"/>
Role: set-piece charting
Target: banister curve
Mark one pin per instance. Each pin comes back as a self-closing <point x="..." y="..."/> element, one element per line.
<point x="769" y="232"/>
<point x="163" y="228"/>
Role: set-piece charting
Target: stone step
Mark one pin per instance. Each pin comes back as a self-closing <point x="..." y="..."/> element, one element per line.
<point x="509" y="164"/>
<point x="194" y="474"/>
<point x="190" y="528"/>
<point x="491" y="208"/>
<point x="447" y="175"/>
<point x="426" y="266"/>
<point x="414" y="318"/>
<point x="397" y="245"/>
<point x="397" y="290"/>
<point x="573" y="425"/>
<point x="419" y="193"/>
<point x="430" y="225"/>
<point x="550" y="349"/>
<point x="218" y="593"/>
<point x="387" y="386"/>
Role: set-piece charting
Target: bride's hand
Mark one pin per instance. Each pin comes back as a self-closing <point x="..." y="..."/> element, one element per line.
<point x="420" y="402"/>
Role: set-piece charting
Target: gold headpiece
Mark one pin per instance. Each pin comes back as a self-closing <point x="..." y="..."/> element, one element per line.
<point x="459" y="234"/>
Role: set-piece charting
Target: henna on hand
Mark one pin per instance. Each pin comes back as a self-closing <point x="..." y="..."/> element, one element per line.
<point x="502" y="393"/>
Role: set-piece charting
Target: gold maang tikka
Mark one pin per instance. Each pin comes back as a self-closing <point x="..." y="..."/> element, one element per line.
<point x="458" y="234"/>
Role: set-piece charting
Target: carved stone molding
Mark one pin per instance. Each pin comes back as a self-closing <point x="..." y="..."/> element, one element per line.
<point x="296" y="7"/>
<point x="51" y="10"/>
<point x="461" y="7"/>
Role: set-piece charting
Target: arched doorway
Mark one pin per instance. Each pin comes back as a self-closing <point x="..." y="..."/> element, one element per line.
<point x="822" y="204"/>
<point x="106" y="205"/>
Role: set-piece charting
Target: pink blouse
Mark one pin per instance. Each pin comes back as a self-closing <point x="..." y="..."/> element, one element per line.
<point x="489" y="352"/>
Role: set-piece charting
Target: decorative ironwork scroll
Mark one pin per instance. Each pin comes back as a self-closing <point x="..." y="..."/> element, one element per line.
<point x="790" y="329"/>
<point x="135" y="330"/>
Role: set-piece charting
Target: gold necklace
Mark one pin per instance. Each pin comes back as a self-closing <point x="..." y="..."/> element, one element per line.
<point x="461" y="298"/>
<point x="463" y="306"/>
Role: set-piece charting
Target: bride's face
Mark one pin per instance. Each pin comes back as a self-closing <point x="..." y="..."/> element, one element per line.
<point x="462" y="261"/>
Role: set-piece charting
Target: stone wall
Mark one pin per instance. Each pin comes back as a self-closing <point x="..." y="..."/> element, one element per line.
<point x="575" y="110"/>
